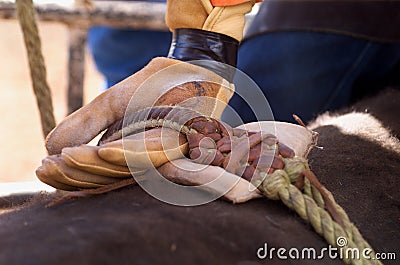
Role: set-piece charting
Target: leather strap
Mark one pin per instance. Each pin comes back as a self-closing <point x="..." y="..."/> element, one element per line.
<point x="217" y="49"/>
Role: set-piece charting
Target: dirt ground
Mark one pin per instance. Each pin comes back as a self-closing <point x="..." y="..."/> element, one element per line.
<point x="22" y="145"/>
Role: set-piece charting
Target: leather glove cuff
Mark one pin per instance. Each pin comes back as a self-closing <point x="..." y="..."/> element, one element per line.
<point x="196" y="44"/>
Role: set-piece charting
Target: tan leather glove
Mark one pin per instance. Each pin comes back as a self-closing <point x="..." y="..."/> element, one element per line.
<point x="195" y="38"/>
<point x="201" y="14"/>
<point x="83" y="125"/>
<point x="87" y="166"/>
<point x="87" y="122"/>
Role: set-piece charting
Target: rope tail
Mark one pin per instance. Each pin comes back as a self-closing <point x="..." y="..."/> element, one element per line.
<point x="26" y="16"/>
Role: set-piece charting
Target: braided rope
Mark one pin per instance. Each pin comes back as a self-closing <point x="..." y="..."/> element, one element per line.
<point x="151" y="117"/>
<point x="281" y="180"/>
<point x="310" y="206"/>
<point x="295" y="168"/>
<point x="26" y="16"/>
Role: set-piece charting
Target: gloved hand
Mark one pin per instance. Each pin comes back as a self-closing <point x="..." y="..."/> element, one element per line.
<point x="201" y="32"/>
<point x="84" y="166"/>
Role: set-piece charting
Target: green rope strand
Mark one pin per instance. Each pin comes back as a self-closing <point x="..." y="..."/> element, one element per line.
<point x="310" y="205"/>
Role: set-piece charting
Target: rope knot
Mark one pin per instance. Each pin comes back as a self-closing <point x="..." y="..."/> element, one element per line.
<point x="274" y="183"/>
<point x="295" y="168"/>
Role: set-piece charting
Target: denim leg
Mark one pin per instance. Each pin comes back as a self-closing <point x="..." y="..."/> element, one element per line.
<point x="118" y="53"/>
<point x="306" y="73"/>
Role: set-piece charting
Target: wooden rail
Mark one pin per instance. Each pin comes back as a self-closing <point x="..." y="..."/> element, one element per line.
<point x="134" y="15"/>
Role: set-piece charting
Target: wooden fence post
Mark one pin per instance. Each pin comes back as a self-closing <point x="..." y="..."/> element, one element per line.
<point x="76" y="67"/>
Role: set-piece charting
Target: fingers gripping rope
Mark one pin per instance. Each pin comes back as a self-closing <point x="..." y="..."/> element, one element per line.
<point x="259" y="158"/>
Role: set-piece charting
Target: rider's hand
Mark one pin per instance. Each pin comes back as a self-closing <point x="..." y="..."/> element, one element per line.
<point x="201" y="32"/>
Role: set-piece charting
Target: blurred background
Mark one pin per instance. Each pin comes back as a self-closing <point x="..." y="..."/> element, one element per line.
<point x="21" y="143"/>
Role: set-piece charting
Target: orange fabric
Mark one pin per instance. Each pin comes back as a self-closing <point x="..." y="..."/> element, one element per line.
<point x="229" y="2"/>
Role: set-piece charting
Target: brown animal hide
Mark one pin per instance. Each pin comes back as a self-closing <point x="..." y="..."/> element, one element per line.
<point x="359" y="163"/>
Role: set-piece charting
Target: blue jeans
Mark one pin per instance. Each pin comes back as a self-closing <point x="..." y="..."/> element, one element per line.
<point x="118" y="53"/>
<point x="306" y="73"/>
<point x="303" y="73"/>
